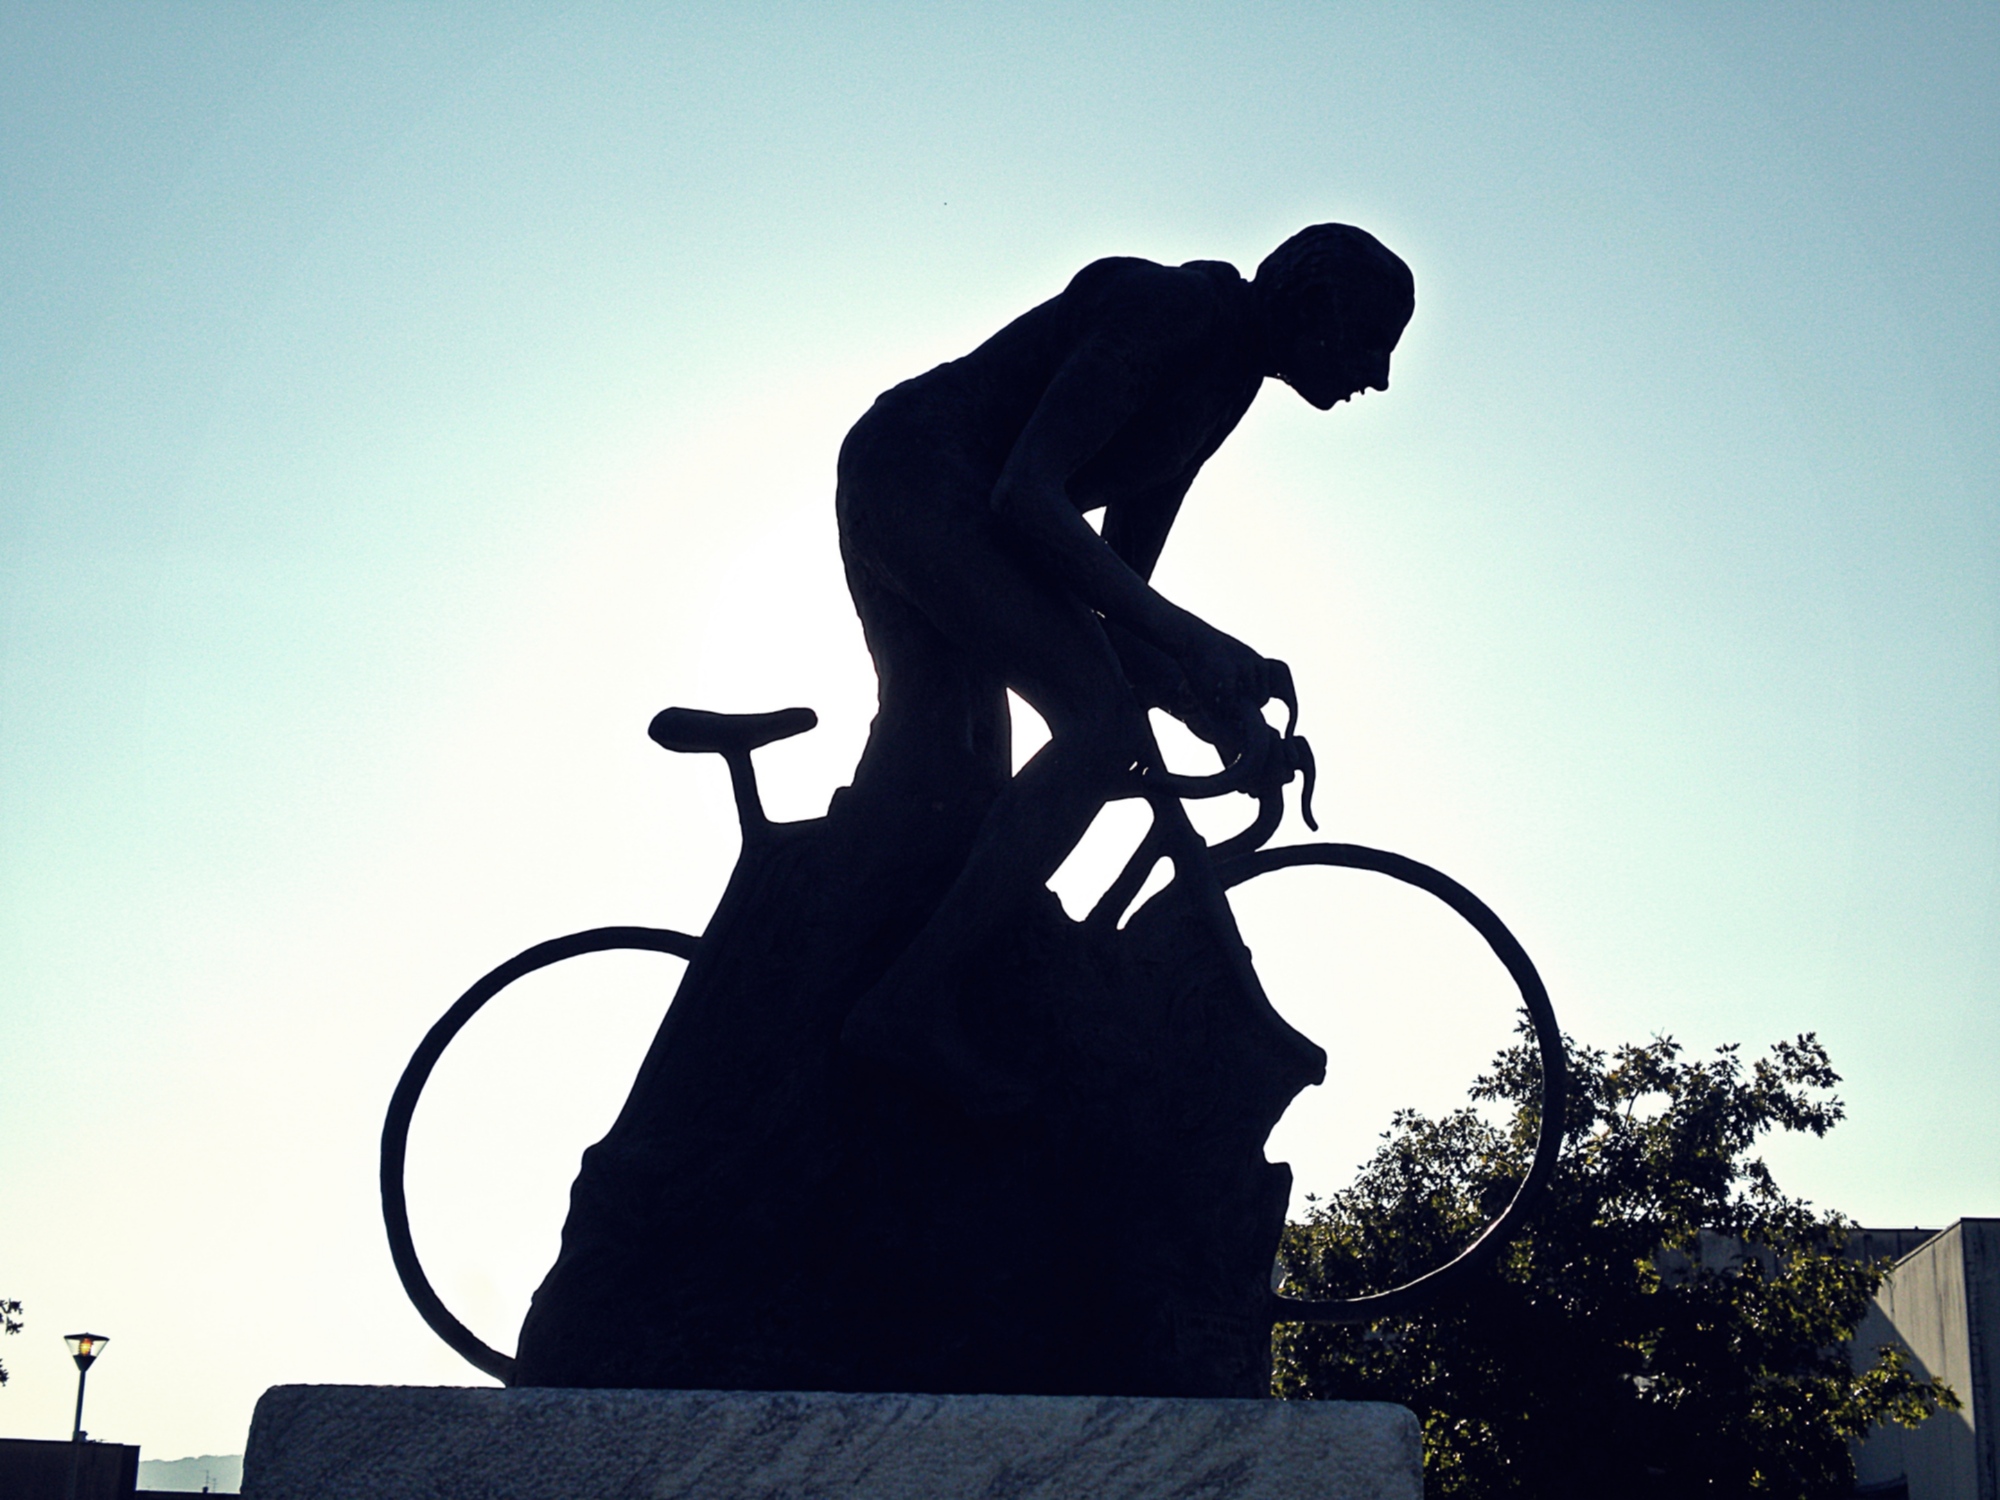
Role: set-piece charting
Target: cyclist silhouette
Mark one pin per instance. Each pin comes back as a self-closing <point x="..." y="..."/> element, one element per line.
<point x="905" y="1125"/>
<point x="962" y="500"/>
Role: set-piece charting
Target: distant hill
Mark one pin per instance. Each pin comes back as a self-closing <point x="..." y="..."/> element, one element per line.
<point x="222" y="1473"/>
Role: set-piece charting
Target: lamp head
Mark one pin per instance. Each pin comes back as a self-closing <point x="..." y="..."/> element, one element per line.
<point x="85" y="1347"/>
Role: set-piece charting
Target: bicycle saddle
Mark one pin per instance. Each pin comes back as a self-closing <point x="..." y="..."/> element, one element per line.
<point x="694" y="730"/>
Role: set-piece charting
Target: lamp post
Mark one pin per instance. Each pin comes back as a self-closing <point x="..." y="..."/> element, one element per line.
<point x="84" y="1349"/>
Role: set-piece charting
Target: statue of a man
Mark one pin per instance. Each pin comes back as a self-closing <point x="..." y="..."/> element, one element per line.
<point x="962" y="502"/>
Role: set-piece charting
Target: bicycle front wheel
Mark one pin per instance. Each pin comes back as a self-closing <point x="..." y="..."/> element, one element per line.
<point x="1548" y="1038"/>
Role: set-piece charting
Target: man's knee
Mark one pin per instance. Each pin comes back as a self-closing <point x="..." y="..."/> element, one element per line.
<point x="1105" y="736"/>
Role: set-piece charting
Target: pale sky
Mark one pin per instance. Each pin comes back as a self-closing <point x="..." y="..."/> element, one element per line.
<point x="399" y="404"/>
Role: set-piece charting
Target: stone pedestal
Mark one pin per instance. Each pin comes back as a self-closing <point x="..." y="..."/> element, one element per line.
<point x="452" y="1443"/>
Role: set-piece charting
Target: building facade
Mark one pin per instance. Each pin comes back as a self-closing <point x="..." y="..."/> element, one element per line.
<point x="1941" y="1303"/>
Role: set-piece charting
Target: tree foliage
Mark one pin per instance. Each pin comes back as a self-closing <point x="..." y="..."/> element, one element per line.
<point x="1671" y="1324"/>
<point x="10" y="1322"/>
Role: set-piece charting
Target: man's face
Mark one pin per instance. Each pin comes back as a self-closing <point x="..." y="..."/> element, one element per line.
<point x="1339" y="353"/>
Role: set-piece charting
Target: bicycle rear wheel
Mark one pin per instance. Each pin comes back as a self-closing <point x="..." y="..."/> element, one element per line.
<point x="403" y="1104"/>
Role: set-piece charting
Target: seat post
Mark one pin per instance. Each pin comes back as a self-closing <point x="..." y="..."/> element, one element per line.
<point x="749" y="803"/>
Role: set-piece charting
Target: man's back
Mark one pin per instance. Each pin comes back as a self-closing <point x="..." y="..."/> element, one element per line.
<point x="1180" y="340"/>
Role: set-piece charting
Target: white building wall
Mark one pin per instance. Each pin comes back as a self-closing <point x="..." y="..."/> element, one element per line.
<point x="1942" y="1304"/>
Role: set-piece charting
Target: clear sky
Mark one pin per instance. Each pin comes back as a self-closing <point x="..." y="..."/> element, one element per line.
<point x="398" y="404"/>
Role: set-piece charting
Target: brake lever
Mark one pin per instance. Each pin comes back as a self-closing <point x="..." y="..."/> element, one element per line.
<point x="1300" y="757"/>
<point x="1298" y="754"/>
<point x="1280" y="683"/>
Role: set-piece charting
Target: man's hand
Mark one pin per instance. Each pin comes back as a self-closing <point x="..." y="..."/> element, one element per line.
<point x="1229" y="685"/>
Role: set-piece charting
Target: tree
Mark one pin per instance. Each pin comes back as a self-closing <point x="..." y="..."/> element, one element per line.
<point x="1670" y="1324"/>
<point x="10" y="1322"/>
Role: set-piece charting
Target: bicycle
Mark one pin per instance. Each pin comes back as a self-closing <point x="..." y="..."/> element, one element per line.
<point x="1211" y="870"/>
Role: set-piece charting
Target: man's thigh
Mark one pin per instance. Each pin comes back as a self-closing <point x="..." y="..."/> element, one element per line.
<point x="925" y="536"/>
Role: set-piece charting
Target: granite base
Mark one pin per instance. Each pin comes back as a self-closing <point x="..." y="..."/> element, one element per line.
<point x="330" y="1442"/>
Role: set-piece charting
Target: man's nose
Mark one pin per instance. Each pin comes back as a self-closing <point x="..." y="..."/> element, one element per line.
<point x="1378" y="378"/>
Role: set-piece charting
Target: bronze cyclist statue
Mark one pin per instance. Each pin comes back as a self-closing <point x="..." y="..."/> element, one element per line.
<point x="906" y="1126"/>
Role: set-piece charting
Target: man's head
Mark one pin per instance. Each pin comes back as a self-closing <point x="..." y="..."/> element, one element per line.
<point x="1335" y="300"/>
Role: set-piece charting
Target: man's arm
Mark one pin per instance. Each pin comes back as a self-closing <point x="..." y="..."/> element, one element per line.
<point x="1136" y="527"/>
<point x="1160" y="318"/>
<point x="1136" y="530"/>
<point x="1092" y="396"/>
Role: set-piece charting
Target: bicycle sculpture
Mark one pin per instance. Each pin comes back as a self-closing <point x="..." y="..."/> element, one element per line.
<point x="906" y="1125"/>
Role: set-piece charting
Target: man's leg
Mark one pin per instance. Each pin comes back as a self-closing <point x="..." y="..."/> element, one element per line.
<point x="974" y="594"/>
<point x="942" y="735"/>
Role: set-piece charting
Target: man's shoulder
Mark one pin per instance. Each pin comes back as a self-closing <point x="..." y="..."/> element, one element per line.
<point x="1124" y="286"/>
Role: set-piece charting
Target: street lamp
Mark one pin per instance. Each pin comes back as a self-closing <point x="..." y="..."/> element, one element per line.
<point x="84" y="1349"/>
